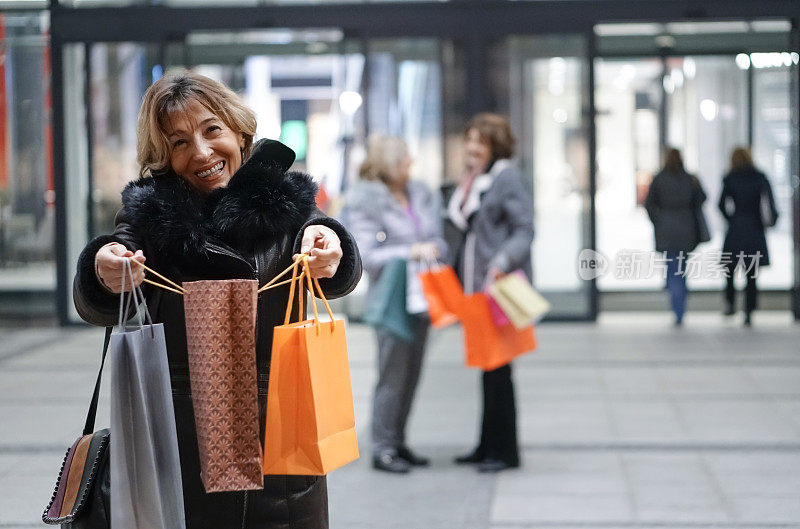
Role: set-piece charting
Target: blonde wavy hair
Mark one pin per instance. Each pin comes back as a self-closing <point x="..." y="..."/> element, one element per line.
<point x="171" y="94"/>
<point x="384" y="154"/>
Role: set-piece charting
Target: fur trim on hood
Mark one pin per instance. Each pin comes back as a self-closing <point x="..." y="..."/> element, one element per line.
<point x="261" y="200"/>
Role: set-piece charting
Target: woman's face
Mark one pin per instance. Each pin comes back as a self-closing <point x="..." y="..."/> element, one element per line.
<point x="404" y="170"/>
<point x="477" y="152"/>
<point x="203" y="150"/>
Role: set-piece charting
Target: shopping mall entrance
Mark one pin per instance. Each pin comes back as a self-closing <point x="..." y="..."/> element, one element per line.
<point x="689" y="86"/>
<point x="647" y="87"/>
<point x="593" y="103"/>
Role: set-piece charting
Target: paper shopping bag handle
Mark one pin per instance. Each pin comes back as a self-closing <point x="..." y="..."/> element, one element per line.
<point x="313" y="287"/>
<point x="313" y="282"/>
<point x="292" y="281"/>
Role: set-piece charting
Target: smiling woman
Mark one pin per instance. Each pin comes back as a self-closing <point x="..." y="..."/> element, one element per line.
<point x="210" y="203"/>
<point x="179" y="110"/>
<point x="205" y="151"/>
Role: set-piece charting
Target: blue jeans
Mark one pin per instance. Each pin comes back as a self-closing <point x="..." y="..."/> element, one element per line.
<point x="676" y="285"/>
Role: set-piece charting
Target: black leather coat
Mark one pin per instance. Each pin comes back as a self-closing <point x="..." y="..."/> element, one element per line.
<point x="672" y="203"/>
<point x="250" y="229"/>
<point x="744" y="194"/>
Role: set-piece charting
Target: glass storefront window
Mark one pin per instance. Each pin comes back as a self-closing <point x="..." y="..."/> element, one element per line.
<point x="705" y="115"/>
<point x="707" y="119"/>
<point x="119" y="77"/>
<point x="547" y="92"/>
<point x="404" y="99"/>
<point x="27" y="198"/>
<point x="628" y="99"/>
<point x="773" y="151"/>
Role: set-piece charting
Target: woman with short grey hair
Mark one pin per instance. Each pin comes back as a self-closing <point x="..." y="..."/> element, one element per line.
<point x="393" y="217"/>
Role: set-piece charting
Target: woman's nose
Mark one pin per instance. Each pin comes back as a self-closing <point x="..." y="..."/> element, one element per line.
<point x="202" y="149"/>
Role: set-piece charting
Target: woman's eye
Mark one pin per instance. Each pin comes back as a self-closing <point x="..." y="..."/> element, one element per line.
<point x="213" y="128"/>
<point x="178" y="143"/>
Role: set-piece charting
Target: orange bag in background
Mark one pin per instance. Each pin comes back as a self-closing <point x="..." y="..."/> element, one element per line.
<point x="310" y="426"/>
<point x="443" y="293"/>
<point x="488" y="347"/>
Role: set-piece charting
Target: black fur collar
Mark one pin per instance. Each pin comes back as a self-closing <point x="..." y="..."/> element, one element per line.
<point x="262" y="199"/>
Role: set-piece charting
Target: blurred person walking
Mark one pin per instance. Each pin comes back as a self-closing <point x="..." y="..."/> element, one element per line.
<point x="674" y="204"/>
<point x="393" y="217"/>
<point x="748" y="205"/>
<point x="490" y="214"/>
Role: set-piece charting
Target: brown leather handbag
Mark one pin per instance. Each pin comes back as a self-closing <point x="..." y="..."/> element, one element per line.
<point x="81" y="496"/>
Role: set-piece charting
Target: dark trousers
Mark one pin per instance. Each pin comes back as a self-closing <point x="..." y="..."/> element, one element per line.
<point x="499" y="424"/>
<point x="676" y="285"/>
<point x="399" y="366"/>
<point x="750" y="290"/>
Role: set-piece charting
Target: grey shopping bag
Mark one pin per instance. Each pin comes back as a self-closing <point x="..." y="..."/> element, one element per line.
<point x="146" y="487"/>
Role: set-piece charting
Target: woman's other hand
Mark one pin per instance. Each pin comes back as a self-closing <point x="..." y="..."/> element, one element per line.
<point x="109" y="266"/>
<point x="324" y="250"/>
<point x="424" y="250"/>
<point x="495" y="274"/>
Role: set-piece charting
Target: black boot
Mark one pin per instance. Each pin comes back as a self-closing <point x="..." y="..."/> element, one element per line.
<point x="496" y="465"/>
<point x="390" y="461"/>
<point x="476" y="456"/>
<point x="415" y="460"/>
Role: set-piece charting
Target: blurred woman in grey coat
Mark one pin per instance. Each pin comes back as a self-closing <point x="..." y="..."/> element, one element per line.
<point x="674" y="203"/>
<point x="490" y="214"/>
<point x="748" y="205"/>
<point x="393" y="217"/>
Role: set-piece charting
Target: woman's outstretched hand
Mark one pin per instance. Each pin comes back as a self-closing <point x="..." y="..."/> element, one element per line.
<point x="324" y="250"/>
<point x="109" y="265"/>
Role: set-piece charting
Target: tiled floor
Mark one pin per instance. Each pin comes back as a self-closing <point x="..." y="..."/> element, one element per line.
<point x="626" y="423"/>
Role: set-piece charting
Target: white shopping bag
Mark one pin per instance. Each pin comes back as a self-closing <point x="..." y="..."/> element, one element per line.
<point x="415" y="297"/>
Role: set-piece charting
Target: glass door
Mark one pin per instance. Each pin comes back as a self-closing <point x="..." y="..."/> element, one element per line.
<point x="404" y="99"/>
<point x="27" y="195"/>
<point x="661" y="86"/>
<point x="548" y="106"/>
<point x="629" y="101"/>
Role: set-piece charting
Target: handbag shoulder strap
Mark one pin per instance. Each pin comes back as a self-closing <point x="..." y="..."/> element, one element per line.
<point x="92" y="414"/>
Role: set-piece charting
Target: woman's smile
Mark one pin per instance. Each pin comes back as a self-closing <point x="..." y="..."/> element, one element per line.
<point x="215" y="170"/>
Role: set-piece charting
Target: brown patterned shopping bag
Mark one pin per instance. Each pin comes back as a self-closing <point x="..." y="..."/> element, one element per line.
<point x="220" y="331"/>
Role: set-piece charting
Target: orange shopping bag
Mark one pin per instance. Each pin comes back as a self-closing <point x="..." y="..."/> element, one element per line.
<point x="443" y="293"/>
<point x="310" y="427"/>
<point x="488" y="347"/>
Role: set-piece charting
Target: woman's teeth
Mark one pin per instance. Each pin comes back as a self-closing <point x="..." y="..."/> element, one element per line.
<point x="213" y="171"/>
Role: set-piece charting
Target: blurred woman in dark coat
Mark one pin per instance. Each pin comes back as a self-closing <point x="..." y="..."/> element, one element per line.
<point x="748" y="205"/>
<point x="674" y="204"/>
